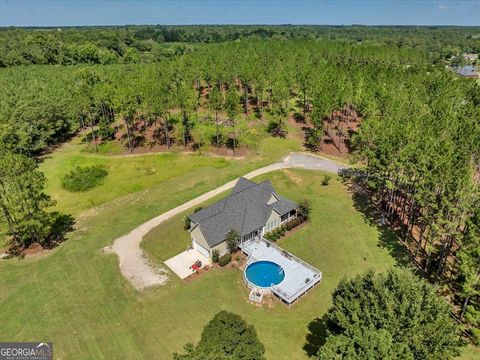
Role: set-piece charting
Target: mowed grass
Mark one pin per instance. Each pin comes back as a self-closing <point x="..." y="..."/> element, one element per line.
<point x="76" y="297"/>
<point x="133" y="174"/>
<point x="338" y="241"/>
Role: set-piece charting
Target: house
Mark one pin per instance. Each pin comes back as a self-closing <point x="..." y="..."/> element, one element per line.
<point x="468" y="71"/>
<point x="470" y="57"/>
<point x="251" y="209"/>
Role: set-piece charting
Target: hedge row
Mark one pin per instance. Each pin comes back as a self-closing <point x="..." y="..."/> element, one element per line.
<point x="276" y="234"/>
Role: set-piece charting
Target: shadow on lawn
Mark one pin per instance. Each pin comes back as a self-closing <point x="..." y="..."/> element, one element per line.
<point x="363" y="203"/>
<point x="316" y="337"/>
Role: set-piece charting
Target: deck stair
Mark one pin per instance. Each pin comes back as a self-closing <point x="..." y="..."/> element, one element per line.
<point x="256" y="295"/>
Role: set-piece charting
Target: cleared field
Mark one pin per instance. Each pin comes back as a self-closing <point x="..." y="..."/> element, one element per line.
<point x="131" y="174"/>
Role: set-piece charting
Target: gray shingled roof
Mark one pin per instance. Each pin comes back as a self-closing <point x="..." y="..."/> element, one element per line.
<point x="244" y="210"/>
<point x="468" y="70"/>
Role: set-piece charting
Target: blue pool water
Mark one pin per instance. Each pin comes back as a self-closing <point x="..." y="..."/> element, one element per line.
<point x="264" y="273"/>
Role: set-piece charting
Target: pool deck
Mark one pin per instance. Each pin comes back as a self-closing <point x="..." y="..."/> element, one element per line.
<point x="296" y="270"/>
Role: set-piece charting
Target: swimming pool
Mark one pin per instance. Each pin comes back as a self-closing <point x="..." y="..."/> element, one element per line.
<point x="264" y="273"/>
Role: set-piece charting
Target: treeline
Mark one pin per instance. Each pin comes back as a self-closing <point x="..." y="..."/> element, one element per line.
<point x="421" y="148"/>
<point x="127" y="44"/>
<point x="42" y="105"/>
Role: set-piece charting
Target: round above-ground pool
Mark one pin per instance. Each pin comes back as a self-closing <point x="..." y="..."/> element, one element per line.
<point x="264" y="273"/>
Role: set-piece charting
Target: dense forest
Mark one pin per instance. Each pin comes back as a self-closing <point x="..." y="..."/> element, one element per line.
<point x="130" y="44"/>
<point x="418" y="144"/>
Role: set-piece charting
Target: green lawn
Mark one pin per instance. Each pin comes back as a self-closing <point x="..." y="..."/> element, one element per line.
<point x="337" y="241"/>
<point x="76" y="297"/>
<point x="133" y="174"/>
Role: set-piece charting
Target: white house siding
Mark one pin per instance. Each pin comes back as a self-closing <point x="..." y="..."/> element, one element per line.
<point x="197" y="236"/>
<point x="273" y="221"/>
<point x="222" y="248"/>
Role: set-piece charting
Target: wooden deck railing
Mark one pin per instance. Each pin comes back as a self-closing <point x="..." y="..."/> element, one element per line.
<point x="288" y="297"/>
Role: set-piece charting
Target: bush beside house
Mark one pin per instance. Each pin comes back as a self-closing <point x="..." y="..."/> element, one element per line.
<point x="225" y="259"/>
<point x="215" y="256"/>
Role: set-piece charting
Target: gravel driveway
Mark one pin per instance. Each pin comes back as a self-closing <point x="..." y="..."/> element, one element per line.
<point x="133" y="263"/>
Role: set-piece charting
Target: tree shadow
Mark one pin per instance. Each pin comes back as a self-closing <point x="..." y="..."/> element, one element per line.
<point x="388" y="239"/>
<point x="299" y="118"/>
<point x="316" y="337"/>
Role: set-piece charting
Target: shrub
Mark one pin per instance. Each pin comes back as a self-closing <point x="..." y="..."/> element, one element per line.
<point x="225" y="259"/>
<point x="187" y="222"/>
<point x="293" y="223"/>
<point x="476" y="336"/>
<point x="278" y="233"/>
<point x="233" y="238"/>
<point x="326" y="179"/>
<point x="215" y="255"/>
<point x="277" y="129"/>
<point x="226" y="336"/>
<point x="84" y="178"/>
<point x="274" y="236"/>
<point x="304" y="209"/>
<point x="297" y="221"/>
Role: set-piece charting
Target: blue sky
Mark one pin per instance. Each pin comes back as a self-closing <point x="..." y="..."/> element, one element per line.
<point x="338" y="12"/>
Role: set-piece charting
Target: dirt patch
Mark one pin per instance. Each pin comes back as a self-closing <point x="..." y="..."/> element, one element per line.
<point x="33" y="250"/>
<point x="295" y="178"/>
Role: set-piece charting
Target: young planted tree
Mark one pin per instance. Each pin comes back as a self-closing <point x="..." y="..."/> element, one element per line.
<point x="233" y="240"/>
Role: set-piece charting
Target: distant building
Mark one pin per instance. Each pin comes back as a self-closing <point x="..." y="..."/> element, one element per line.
<point x="468" y="71"/>
<point x="470" y="57"/>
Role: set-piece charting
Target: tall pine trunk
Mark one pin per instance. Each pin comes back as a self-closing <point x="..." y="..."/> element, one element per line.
<point x="245" y="92"/>
<point x="125" y="120"/>
<point x="218" y="129"/>
<point x="93" y="134"/>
